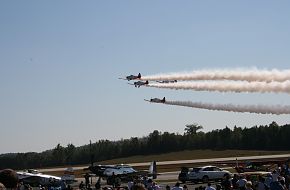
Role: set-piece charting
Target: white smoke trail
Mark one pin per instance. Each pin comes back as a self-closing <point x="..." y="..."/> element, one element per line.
<point x="261" y="109"/>
<point x="228" y="86"/>
<point x="242" y="75"/>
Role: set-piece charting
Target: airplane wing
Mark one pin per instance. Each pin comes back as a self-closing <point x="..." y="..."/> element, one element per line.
<point x="38" y="179"/>
<point x="122" y="78"/>
<point x="131" y="84"/>
<point x="147" y="100"/>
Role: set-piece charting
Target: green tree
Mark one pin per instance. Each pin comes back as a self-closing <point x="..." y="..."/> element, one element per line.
<point x="191" y="129"/>
<point x="59" y="154"/>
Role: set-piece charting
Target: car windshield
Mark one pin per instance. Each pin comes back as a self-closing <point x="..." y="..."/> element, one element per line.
<point x="195" y="169"/>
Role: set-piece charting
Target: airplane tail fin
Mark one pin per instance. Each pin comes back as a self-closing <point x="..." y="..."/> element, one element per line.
<point x="163" y="100"/>
<point x="153" y="169"/>
<point x="139" y="75"/>
<point x="147" y="82"/>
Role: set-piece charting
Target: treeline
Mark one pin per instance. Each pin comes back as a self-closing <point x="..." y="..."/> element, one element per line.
<point x="269" y="137"/>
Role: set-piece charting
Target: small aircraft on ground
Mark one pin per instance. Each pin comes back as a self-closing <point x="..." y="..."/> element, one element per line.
<point x="156" y="100"/>
<point x="139" y="83"/>
<point x="132" y="77"/>
<point x="167" y="81"/>
<point x="34" y="178"/>
<point x="122" y="172"/>
<point x="261" y="165"/>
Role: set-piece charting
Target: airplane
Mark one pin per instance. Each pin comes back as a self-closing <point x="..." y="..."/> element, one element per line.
<point x="260" y="165"/>
<point x="122" y="172"/>
<point x="167" y="81"/>
<point x="34" y="178"/>
<point x="156" y="100"/>
<point x="132" y="77"/>
<point x="139" y="83"/>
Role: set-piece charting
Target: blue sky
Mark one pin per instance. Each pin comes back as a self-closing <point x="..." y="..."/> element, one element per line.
<point x="60" y="62"/>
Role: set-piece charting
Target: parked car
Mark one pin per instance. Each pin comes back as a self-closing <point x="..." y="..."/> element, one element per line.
<point x="203" y="174"/>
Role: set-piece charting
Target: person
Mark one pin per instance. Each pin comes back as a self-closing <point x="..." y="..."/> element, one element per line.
<point x="113" y="178"/>
<point x="117" y="182"/>
<point x="209" y="187"/>
<point x="218" y="187"/>
<point x="9" y="178"/>
<point x="130" y="184"/>
<point x="185" y="187"/>
<point x="155" y="186"/>
<point x="234" y="182"/>
<point x="242" y="182"/>
<point x="226" y="183"/>
<point x="177" y="186"/>
<point x="283" y="184"/>
<point x="63" y="185"/>
<point x="261" y="184"/>
<point x="149" y="184"/>
<point x="81" y="186"/>
<point x="21" y="186"/>
<point x="87" y="179"/>
<point x="69" y="187"/>
<point x="89" y="187"/>
<point x="275" y="175"/>
<point x="2" y="187"/>
<point x="28" y="187"/>
<point x="145" y="181"/>
<point x="268" y="180"/>
<point x="98" y="184"/>
<point x="276" y="185"/>
<point x="138" y="186"/>
<point x="248" y="185"/>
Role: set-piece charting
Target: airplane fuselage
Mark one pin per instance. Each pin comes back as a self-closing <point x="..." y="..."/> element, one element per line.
<point x="119" y="169"/>
<point x="133" y="77"/>
<point x="157" y="100"/>
<point x="140" y="83"/>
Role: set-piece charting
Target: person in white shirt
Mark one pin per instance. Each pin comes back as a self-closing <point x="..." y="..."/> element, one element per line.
<point x="242" y="182"/>
<point x="209" y="187"/>
<point x="177" y="187"/>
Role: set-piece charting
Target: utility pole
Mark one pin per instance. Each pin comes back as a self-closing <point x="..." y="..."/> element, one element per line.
<point x="92" y="158"/>
<point x="91" y="154"/>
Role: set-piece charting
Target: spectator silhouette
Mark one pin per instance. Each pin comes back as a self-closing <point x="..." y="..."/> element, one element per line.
<point x="9" y="178"/>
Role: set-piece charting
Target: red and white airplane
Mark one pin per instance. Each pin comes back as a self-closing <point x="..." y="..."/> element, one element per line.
<point x="139" y="83"/>
<point x="132" y="77"/>
<point x="156" y="100"/>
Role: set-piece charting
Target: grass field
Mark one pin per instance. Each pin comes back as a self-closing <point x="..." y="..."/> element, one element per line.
<point x="194" y="154"/>
<point x="183" y="155"/>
